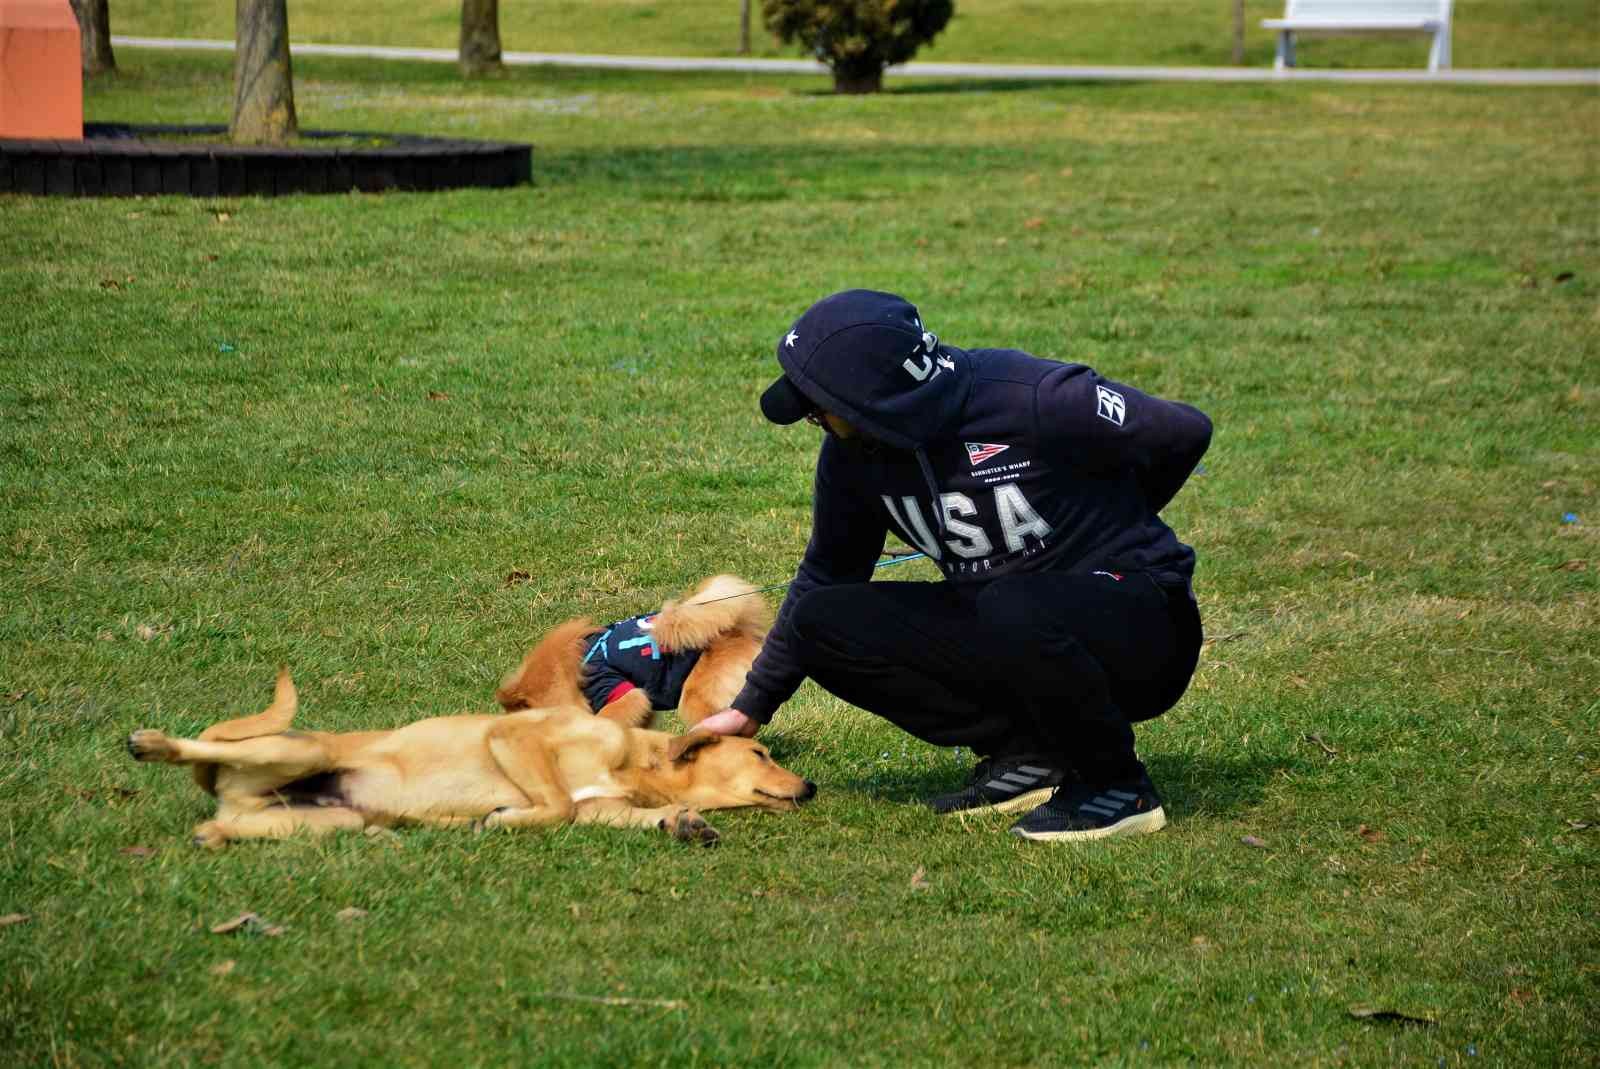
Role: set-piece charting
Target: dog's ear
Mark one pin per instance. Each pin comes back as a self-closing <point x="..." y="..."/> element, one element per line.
<point x="683" y="748"/>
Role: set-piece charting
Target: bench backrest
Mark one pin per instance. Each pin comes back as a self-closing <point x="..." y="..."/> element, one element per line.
<point x="1368" y="9"/>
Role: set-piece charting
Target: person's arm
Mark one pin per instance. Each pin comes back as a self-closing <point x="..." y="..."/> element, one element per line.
<point x="1105" y="425"/>
<point x="847" y="536"/>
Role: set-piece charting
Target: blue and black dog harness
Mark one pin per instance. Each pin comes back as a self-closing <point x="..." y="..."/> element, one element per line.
<point x="625" y="656"/>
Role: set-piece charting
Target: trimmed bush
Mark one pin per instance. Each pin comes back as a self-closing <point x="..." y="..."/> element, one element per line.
<point x="857" y="39"/>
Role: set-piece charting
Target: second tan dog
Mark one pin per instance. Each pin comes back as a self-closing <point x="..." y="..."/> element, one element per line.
<point x="533" y="768"/>
<point x="691" y="655"/>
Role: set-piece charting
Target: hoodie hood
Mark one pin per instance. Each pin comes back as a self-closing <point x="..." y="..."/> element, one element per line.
<point x="867" y="357"/>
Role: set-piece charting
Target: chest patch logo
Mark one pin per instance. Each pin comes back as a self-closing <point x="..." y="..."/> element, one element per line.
<point x="1109" y="405"/>
<point x="978" y="452"/>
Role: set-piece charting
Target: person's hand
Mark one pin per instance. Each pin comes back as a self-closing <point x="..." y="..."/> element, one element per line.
<point x="729" y="722"/>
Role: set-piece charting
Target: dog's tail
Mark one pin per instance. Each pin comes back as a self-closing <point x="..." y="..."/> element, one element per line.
<point x="722" y="605"/>
<point x="272" y="720"/>
<point x="550" y="674"/>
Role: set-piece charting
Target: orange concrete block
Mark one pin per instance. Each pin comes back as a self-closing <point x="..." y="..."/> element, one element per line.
<point x="41" y="70"/>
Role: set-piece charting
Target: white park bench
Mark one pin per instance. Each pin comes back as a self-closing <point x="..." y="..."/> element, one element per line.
<point x="1337" y="17"/>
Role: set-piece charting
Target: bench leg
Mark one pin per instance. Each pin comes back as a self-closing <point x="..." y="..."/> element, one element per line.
<point x="1285" y="57"/>
<point x="1439" y="54"/>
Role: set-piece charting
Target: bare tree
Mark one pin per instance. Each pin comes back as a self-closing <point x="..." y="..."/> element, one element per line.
<point x="1238" y="33"/>
<point x="744" y="27"/>
<point x="94" y="34"/>
<point x="263" y="84"/>
<point x="479" y="51"/>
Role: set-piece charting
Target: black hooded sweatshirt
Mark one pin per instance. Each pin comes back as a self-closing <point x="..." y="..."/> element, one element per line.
<point x="992" y="462"/>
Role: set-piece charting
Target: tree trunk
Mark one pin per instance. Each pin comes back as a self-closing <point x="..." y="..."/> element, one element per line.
<point x="1238" y="33"/>
<point x="479" y="51"/>
<point x="94" y="32"/>
<point x="263" y="84"/>
<point x="858" y="80"/>
<point x="744" y="27"/>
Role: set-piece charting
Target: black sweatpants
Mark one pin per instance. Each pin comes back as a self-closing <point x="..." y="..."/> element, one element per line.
<point x="1049" y="663"/>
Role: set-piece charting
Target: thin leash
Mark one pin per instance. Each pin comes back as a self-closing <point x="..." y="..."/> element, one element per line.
<point x="885" y="563"/>
<point x="600" y="642"/>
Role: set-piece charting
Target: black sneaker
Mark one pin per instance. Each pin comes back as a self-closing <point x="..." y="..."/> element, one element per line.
<point x="1078" y="812"/>
<point x="1004" y="785"/>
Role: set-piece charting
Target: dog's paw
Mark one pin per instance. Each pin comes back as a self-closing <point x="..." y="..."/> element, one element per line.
<point x="150" y="745"/>
<point x="489" y="820"/>
<point x="690" y="827"/>
<point x="209" y="836"/>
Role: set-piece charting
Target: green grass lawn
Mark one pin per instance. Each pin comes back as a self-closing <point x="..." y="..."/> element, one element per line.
<point x="327" y="431"/>
<point x="1486" y="33"/>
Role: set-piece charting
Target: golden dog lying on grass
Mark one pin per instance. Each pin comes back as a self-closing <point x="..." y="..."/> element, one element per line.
<point x="554" y="764"/>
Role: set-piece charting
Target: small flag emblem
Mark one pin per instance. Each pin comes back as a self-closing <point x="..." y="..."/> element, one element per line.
<point x="978" y="452"/>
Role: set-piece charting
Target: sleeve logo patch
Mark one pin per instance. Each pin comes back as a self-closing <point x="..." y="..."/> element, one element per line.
<point x="1110" y="405"/>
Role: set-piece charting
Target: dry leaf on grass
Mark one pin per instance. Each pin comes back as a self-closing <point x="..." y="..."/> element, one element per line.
<point x="614" y="1000"/>
<point x="351" y="913"/>
<point x="1320" y="741"/>
<point x="251" y="922"/>
<point x="1251" y="840"/>
<point x="223" y="968"/>
<point x="14" y="918"/>
<point x="1370" y="834"/>
<point x="515" y="576"/>
<point x="919" y="880"/>
<point x="138" y="851"/>
<point x="234" y="925"/>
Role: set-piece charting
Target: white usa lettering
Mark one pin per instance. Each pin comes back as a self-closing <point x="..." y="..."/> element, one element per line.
<point x="974" y="542"/>
<point x="919" y="371"/>
<point x="918" y="532"/>
<point x="1017" y="517"/>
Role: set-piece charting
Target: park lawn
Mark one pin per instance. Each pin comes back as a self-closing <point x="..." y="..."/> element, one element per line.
<point x="1486" y="33"/>
<point x="388" y="439"/>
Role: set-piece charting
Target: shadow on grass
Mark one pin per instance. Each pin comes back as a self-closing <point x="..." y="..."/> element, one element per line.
<point x="997" y="85"/>
<point x="1188" y="783"/>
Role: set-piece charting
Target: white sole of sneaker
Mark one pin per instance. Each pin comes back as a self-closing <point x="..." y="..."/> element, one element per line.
<point x="1138" y="824"/>
<point x="1022" y="803"/>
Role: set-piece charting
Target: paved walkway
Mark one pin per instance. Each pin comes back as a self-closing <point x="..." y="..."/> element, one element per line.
<point x="987" y="71"/>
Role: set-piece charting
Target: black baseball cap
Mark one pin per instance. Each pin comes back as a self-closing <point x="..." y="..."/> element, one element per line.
<point x="833" y="353"/>
<point x="783" y="403"/>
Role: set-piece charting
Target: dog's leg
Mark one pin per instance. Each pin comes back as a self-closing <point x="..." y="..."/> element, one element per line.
<point x="519" y="749"/>
<point x="276" y="822"/>
<point x="291" y="753"/>
<point x="717" y="678"/>
<point x="632" y="710"/>
<point x="678" y="821"/>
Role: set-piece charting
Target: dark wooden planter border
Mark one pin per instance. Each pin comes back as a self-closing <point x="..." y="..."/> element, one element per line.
<point x="116" y="160"/>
